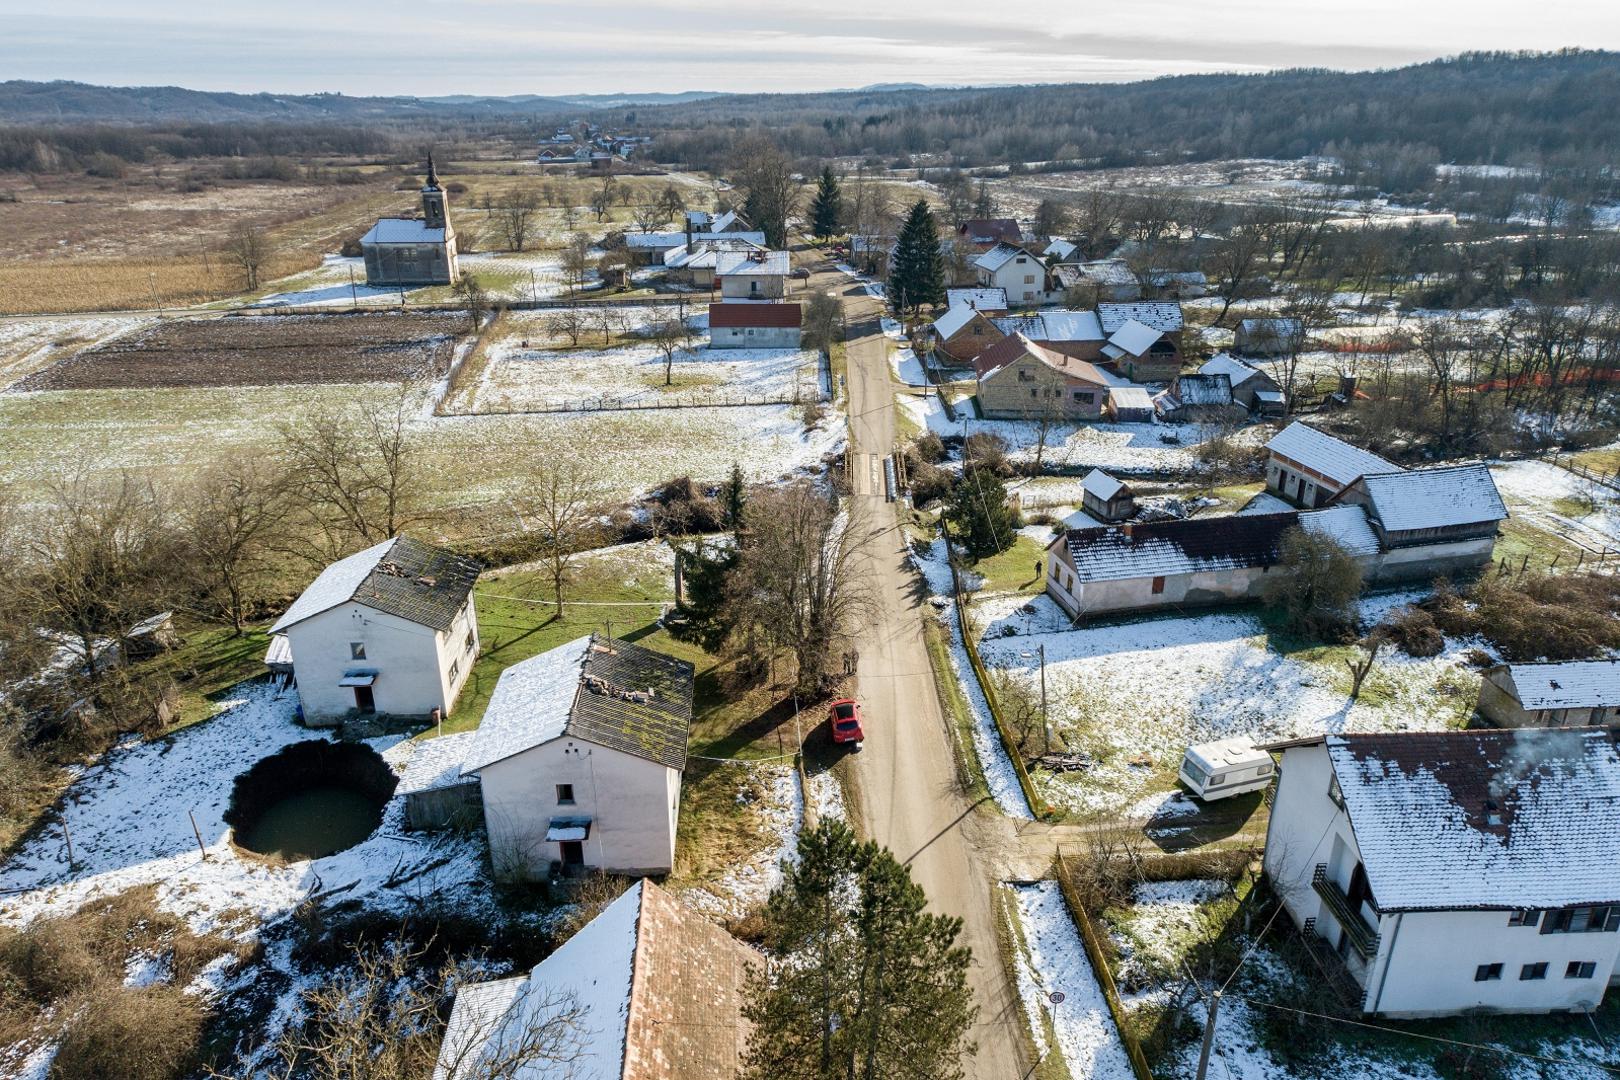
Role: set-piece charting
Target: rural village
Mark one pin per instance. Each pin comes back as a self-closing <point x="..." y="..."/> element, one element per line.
<point x="626" y="590"/>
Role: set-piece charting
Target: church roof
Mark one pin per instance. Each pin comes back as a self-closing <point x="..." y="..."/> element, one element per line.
<point x="391" y="230"/>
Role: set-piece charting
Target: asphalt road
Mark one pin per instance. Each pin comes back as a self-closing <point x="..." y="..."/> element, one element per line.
<point x="906" y="789"/>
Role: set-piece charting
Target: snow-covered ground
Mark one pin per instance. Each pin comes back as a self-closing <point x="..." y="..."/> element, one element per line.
<point x="997" y="767"/>
<point x="1085" y="1031"/>
<point x="1135" y="694"/>
<point x="30" y="345"/>
<point x="340" y="280"/>
<point x="517" y="378"/>
<point x="774" y="792"/>
<point x="907" y="368"/>
<point x="1163" y="921"/>
<point x="1582" y="511"/>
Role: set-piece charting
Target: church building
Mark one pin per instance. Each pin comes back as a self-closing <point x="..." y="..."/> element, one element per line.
<point x="414" y="251"/>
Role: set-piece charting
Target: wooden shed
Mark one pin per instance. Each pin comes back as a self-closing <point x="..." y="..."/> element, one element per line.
<point x="1105" y="497"/>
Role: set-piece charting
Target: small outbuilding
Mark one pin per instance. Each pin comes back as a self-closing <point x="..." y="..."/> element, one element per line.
<point x="1577" y="693"/>
<point x="741" y="325"/>
<point x="1105" y="497"/>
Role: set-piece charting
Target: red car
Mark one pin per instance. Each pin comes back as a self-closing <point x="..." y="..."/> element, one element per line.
<point x="846" y="722"/>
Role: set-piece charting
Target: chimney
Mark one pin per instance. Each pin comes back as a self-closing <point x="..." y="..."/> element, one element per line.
<point x="1129" y="531"/>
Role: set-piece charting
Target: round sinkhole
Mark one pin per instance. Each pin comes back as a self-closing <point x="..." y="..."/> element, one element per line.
<point x="310" y="800"/>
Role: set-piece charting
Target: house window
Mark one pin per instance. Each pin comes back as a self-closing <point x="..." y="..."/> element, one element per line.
<point x="357" y="650"/>
<point x="1533" y="971"/>
<point x="472" y="641"/>
<point x="1487" y="972"/>
<point x="1158" y="585"/>
<point x="1524" y="917"/>
<point x="1034" y="393"/>
<point x="455" y="669"/>
<point x="1335" y="792"/>
<point x="565" y="795"/>
<point x="1580" y="969"/>
<point x="1085" y="397"/>
<point x="1029" y="279"/>
<point x="1582" y="920"/>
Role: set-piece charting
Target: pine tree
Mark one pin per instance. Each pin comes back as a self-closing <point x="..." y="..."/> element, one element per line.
<point x="734" y="498"/>
<point x="855" y="960"/>
<point x="827" y="209"/>
<point x="706" y="578"/>
<point x="977" y="511"/>
<point x="917" y="271"/>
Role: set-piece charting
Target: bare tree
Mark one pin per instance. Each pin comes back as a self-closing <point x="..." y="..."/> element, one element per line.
<point x="352" y="477"/>
<point x="798" y="584"/>
<point x="514" y="218"/>
<point x="378" y="1019"/>
<point x="765" y="172"/>
<point x="566" y="322"/>
<point x="604" y="320"/>
<point x="1237" y="260"/>
<point x="231" y="520"/>
<point x="561" y="501"/>
<point x="823" y="321"/>
<point x="473" y="299"/>
<point x="1362" y="665"/>
<point x="249" y="248"/>
<point x="576" y="261"/>
<point x="602" y="199"/>
<point x="648" y="214"/>
<point x="671" y="202"/>
<point x="670" y="336"/>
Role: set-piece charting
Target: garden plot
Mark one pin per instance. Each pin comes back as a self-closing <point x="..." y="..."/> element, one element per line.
<point x="518" y="379"/>
<point x="28" y="346"/>
<point x="261" y="351"/>
<point x="1134" y="695"/>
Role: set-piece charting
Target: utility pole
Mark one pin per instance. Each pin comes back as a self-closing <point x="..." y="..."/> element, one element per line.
<point x="1209" y="1034"/>
<point x="354" y="295"/>
<point x="1046" y="724"/>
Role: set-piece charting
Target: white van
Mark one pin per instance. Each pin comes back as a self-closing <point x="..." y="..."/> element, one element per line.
<point x="1215" y="770"/>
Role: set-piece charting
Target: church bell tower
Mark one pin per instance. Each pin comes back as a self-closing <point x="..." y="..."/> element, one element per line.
<point x="435" y="213"/>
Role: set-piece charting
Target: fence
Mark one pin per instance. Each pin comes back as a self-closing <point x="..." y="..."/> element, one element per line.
<point x="1037" y="805"/>
<point x="634" y="404"/>
<point x="1105" y="976"/>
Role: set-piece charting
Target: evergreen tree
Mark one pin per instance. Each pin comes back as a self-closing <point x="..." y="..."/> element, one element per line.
<point x="862" y="981"/>
<point x="706" y="577"/>
<point x="978" y="512"/>
<point x="917" y="271"/>
<point x="733" y="498"/>
<point x="827" y="210"/>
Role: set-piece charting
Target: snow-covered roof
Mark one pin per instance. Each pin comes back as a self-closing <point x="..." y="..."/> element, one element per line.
<point x="1161" y="278"/>
<point x="1230" y="366"/>
<point x="1106" y="272"/>
<point x="402" y="577"/>
<point x="1276" y="327"/>
<point x="1002" y="254"/>
<point x="530" y="705"/>
<point x="1434" y="498"/>
<point x="1335" y="459"/>
<point x="1346" y="524"/>
<point x="1053" y="324"/>
<point x="1100" y="485"/>
<point x="1527" y="818"/>
<point x="656" y="240"/>
<point x="1060" y="247"/>
<point x="1186" y="546"/>
<point x="982" y="299"/>
<point x="724" y="222"/>
<point x="1162" y="315"/>
<point x="1016" y="347"/>
<point x="952" y="322"/>
<point x="1130" y="397"/>
<point x="280" y="651"/>
<point x="1223" y="753"/>
<point x="762" y="263"/>
<point x="602" y="690"/>
<point x="402" y="231"/>
<point x="1577" y="684"/>
<point x="660" y="988"/>
<point x="436" y="763"/>
<point x="1134" y="338"/>
<point x="1202" y="390"/>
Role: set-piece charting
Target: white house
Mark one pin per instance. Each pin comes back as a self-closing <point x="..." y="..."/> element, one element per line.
<point x="741" y="325"/>
<point x="753" y="275"/>
<point x="1308" y="466"/>
<point x="389" y="630"/>
<point x="1014" y="269"/>
<point x="580" y="755"/>
<point x="659" y="989"/>
<point x="1455" y="871"/>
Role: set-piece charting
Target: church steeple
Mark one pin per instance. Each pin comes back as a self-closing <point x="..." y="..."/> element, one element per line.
<point x="435" y="211"/>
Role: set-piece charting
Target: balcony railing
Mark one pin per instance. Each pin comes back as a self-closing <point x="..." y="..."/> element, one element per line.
<point x="1363" y="938"/>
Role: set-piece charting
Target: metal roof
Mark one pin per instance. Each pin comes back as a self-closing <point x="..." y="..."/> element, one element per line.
<point x="1434" y="498"/>
<point x="1579" y="684"/>
<point x="402" y="231"/>
<point x="1335" y="459"/>
<point x="1160" y="548"/>
<point x="402" y="576"/>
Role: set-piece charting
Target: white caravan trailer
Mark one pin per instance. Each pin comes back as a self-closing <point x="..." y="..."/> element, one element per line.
<point x="1216" y="770"/>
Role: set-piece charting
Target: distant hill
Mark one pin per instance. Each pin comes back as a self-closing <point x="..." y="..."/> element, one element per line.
<point x="24" y="102"/>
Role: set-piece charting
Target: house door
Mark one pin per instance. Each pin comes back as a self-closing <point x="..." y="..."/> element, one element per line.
<point x="573" y="852"/>
<point x="364" y="699"/>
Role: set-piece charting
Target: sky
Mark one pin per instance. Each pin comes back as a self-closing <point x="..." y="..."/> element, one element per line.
<point x="502" y="47"/>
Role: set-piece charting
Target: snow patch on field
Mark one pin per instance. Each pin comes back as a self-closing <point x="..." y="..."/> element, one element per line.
<point x="1534" y="488"/>
<point x="745" y="887"/>
<point x="1086" y="1035"/>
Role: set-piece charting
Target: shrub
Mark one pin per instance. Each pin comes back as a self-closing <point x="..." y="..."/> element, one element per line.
<point x="1412" y="630"/>
<point x="1535" y="616"/>
<point x="149" y="1033"/>
<point x="985" y="450"/>
<point x="930" y="447"/>
<point x="1315" y="584"/>
<point x="51" y="958"/>
<point x="928" y="483"/>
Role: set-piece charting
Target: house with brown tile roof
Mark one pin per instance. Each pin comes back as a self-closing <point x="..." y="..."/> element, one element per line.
<point x="1020" y="380"/>
<point x="659" y="986"/>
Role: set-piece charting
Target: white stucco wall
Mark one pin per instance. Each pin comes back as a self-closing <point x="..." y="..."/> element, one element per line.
<point x="413" y="662"/>
<point x="1428" y="561"/>
<point x="1426" y="961"/>
<point x="745" y="286"/>
<point x="633" y="805"/>
<point x="755" y="337"/>
<point x="1011" y="277"/>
